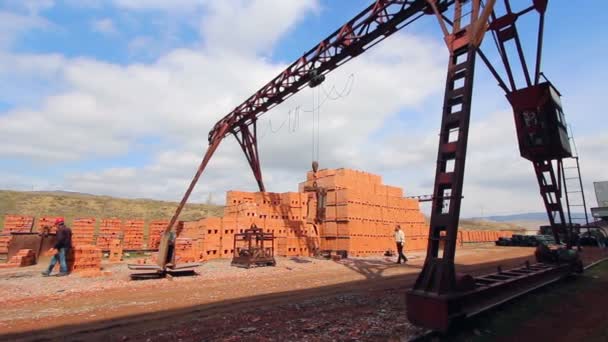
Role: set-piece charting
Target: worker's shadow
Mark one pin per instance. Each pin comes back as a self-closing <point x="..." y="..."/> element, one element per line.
<point x="373" y="269"/>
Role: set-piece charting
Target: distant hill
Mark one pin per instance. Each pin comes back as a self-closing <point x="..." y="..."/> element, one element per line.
<point x="78" y="205"/>
<point x="515" y="217"/>
<point x="469" y="224"/>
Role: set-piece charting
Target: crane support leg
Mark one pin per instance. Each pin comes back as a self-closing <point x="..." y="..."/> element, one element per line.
<point x="438" y="273"/>
<point x="247" y="136"/>
<point x="213" y="144"/>
<point x="551" y="192"/>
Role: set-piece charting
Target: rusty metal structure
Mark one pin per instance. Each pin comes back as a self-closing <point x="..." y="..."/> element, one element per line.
<point x="253" y="247"/>
<point x="37" y="242"/>
<point x="166" y="265"/>
<point x="440" y="297"/>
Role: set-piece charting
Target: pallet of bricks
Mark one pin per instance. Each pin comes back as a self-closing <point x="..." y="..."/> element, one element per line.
<point x="84" y="259"/>
<point x="25" y="257"/>
<point x="110" y="229"/>
<point x="283" y="214"/>
<point x="5" y="240"/>
<point x="199" y="240"/>
<point x="300" y="237"/>
<point x="361" y="212"/>
<point x="46" y="223"/>
<point x="17" y="224"/>
<point x="83" y="230"/>
<point x="156" y="228"/>
<point x="133" y="234"/>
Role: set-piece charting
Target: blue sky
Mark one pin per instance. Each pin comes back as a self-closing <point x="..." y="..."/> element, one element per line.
<point x="116" y="97"/>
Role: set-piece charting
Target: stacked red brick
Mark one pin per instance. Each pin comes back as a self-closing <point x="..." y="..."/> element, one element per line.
<point x="283" y="214"/>
<point x="481" y="236"/>
<point x="115" y="250"/>
<point x="83" y="258"/>
<point x="17" y="224"/>
<point x="5" y="241"/>
<point x="361" y="212"/>
<point x="109" y="230"/>
<point x="46" y="223"/>
<point x="199" y="240"/>
<point x="156" y="228"/>
<point x="25" y="257"/>
<point x="134" y="234"/>
<point x="82" y="231"/>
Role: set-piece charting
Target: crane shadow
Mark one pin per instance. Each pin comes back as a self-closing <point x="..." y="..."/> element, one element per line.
<point x="374" y="268"/>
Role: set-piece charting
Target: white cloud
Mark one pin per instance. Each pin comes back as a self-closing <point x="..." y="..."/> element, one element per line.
<point x="164" y="5"/>
<point x="102" y="110"/>
<point x="251" y="26"/>
<point x="104" y="26"/>
<point x="12" y="25"/>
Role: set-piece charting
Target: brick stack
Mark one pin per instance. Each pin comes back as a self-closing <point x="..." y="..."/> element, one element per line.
<point x="189" y="250"/>
<point x="82" y="231"/>
<point x="109" y="230"/>
<point x="17" y="224"/>
<point x="83" y="258"/>
<point x="361" y="212"/>
<point x="481" y="236"/>
<point x="5" y="241"/>
<point x="156" y="228"/>
<point x="115" y="250"/>
<point x="25" y="257"/>
<point x="283" y="214"/>
<point x="46" y="222"/>
<point x="134" y="234"/>
<point x="199" y="240"/>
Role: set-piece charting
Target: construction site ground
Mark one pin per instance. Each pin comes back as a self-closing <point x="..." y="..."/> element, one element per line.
<point x="299" y="299"/>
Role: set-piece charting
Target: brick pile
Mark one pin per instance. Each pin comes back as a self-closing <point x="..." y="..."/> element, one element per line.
<point x="361" y="212"/>
<point x="199" y="240"/>
<point x="18" y="224"/>
<point x="25" y="257"/>
<point x="46" y="222"/>
<point x="82" y="231"/>
<point x="134" y="234"/>
<point x="83" y="258"/>
<point x="5" y="240"/>
<point x="156" y="228"/>
<point x="283" y="214"/>
<point x="480" y="236"/>
<point x="115" y="250"/>
<point x="109" y="230"/>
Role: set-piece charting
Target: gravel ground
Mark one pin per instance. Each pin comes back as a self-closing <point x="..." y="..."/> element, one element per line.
<point x="299" y="299"/>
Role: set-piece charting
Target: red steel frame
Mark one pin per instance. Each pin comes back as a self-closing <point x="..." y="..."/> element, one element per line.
<point x="438" y="295"/>
<point x="368" y="28"/>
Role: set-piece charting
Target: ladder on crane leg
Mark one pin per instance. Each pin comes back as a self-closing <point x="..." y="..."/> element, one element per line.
<point x="574" y="194"/>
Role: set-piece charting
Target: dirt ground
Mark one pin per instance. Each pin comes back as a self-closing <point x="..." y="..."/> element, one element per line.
<point x="299" y="299"/>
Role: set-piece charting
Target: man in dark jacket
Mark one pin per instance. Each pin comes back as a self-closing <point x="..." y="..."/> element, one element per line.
<point x="63" y="243"/>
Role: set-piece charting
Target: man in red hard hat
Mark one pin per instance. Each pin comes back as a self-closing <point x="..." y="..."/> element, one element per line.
<point x="63" y="243"/>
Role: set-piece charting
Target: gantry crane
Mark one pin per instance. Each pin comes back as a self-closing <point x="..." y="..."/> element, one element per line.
<point x="439" y="296"/>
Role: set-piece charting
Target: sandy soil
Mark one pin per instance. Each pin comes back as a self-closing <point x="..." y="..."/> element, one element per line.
<point x="300" y="298"/>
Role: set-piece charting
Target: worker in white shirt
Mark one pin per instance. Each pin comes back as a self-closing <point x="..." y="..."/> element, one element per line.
<point x="400" y="241"/>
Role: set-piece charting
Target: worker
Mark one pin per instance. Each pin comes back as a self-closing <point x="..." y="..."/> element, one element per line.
<point x="400" y="241"/>
<point x="63" y="244"/>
